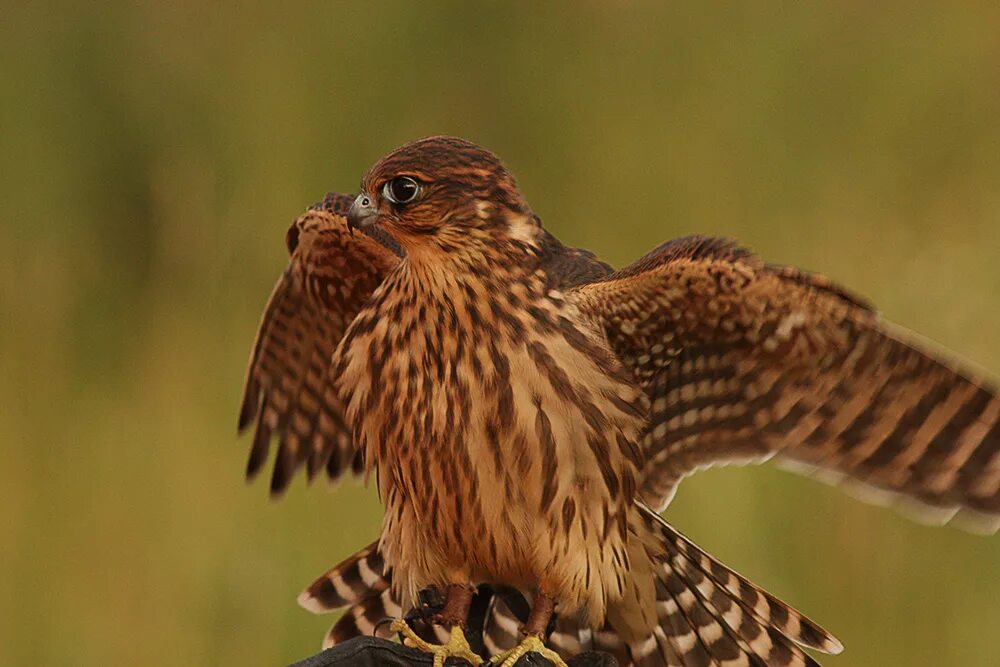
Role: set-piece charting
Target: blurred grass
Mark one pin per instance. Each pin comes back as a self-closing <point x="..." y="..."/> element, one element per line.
<point x="152" y="154"/>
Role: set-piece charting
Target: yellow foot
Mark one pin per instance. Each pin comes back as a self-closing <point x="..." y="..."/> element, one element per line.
<point x="531" y="644"/>
<point x="457" y="646"/>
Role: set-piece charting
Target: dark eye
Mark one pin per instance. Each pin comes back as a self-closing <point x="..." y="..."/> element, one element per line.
<point x="401" y="190"/>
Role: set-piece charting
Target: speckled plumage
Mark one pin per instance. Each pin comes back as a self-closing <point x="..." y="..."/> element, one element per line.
<point x="524" y="407"/>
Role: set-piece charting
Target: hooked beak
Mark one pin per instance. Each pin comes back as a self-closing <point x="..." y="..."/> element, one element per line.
<point x="362" y="213"/>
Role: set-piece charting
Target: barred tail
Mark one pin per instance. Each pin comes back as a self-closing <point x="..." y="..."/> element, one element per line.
<point x="361" y="587"/>
<point x="508" y="610"/>
<point x="352" y="581"/>
<point x="710" y="615"/>
<point x="707" y="614"/>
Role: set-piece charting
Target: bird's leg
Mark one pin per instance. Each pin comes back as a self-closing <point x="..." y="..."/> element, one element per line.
<point x="455" y="612"/>
<point x="534" y="630"/>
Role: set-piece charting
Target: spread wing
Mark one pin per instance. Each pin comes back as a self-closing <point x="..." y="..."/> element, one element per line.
<point x="743" y="360"/>
<point x="289" y="391"/>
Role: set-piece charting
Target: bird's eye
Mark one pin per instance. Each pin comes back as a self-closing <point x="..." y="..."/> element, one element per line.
<point x="401" y="190"/>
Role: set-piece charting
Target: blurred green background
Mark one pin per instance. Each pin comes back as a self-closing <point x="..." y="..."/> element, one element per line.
<point x="152" y="155"/>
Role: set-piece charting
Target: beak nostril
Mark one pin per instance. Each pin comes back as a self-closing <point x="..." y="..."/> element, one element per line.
<point x="362" y="213"/>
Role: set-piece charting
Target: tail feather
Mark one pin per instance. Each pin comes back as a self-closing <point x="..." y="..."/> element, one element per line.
<point x="730" y="635"/>
<point x="710" y="615"/>
<point x="362" y="619"/>
<point x="690" y="628"/>
<point x="568" y="637"/>
<point x="500" y="632"/>
<point x="501" y="628"/>
<point x="361" y="586"/>
<point x="707" y="614"/>
<point x="657" y="650"/>
<point x="765" y="608"/>
<point x="350" y="582"/>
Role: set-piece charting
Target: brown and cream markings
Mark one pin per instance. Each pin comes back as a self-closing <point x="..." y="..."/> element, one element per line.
<point x="507" y="457"/>
<point x="527" y="411"/>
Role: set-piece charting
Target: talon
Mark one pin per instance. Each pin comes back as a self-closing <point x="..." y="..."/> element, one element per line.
<point x="457" y="646"/>
<point x="407" y="635"/>
<point x="530" y="644"/>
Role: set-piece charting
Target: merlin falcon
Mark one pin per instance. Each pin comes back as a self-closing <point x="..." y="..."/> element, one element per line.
<point x="528" y="412"/>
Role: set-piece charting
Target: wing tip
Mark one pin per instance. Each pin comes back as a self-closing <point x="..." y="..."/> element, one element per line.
<point x="817" y="637"/>
<point x="252" y="472"/>
<point x="925" y="513"/>
<point x="977" y="522"/>
<point x="258" y="455"/>
<point x="281" y="475"/>
<point x="248" y="410"/>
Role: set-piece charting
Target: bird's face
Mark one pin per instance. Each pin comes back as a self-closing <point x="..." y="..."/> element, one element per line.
<point x="437" y="188"/>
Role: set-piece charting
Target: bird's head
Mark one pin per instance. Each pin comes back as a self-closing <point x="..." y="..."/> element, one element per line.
<point x="441" y="192"/>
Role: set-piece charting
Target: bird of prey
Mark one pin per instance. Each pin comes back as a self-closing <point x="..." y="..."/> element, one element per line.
<point x="528" y="413"/>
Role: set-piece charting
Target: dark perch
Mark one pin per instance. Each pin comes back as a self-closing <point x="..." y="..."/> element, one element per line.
<point x="377" y="652"/>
